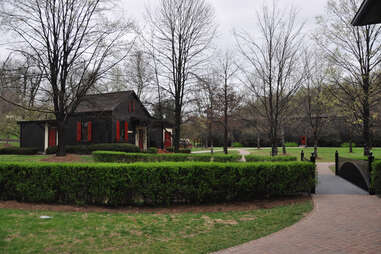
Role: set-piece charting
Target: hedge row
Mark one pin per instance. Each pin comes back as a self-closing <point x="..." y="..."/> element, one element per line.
<point x="18" y="150"/>
<point x="88" y="149"/>
<point x="376" y="177"/>
<point x="252" y="158"/>
<point x="181" y="150"/>
<point x="151" y="183"/>
<point x="107" y="156"/>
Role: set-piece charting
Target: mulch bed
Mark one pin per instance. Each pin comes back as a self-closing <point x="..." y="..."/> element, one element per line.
<point x="224" y="207"/>
<point x="67" y="158"/>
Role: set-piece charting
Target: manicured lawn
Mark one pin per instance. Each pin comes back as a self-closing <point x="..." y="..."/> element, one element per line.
<point x="10" y="143"/>
<point x="194" y="149"/>
<point x="218" y="150"/>
<point x="76" y="232"/>
<point x="325" y="154"/>
<point x="21" y="158"/>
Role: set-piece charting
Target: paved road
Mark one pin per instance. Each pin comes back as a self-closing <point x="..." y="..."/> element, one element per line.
<point x="345" y="220"/>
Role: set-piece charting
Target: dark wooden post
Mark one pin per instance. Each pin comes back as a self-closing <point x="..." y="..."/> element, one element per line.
<point x="313" y="160"/>
<point x="370" y="161"/>
<point x="302" y="156"/>
<point x="336" y="162"/>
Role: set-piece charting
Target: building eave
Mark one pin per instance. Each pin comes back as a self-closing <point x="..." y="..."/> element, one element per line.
<point x="369" y="13"/>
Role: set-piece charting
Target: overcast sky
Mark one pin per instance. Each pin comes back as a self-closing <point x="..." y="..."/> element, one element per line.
<point x="236" y="14"/>
<point x="230" y="14"/>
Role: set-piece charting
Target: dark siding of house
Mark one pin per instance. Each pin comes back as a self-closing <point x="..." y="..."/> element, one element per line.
<point x="32" y="135"/>
<point x="156" y="137"/>
<point x="101" y="128"/>
<point x="121" y="113"/>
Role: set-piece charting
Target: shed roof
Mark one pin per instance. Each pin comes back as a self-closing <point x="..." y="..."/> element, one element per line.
<point x="368" y="13"/>
<point x="102" y="102"/>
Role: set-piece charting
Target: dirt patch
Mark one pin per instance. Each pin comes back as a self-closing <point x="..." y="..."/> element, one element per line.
<point x="67" y="158"/>
<point x="223" y="207"/>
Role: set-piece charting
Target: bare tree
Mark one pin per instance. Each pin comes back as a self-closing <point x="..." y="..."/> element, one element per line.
<point x="226" y="69"/>
<point x="182" y="31"/>
<point x="72" y="43"/>
<point x="316" y="98"/>
<point x="356" y="53"/>
<point x="206" y="100"/>
<point x="139" y="74"/>
<point x="273" y="72"/>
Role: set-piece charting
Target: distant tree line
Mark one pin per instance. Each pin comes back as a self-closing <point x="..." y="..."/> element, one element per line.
<point x="279" y="84"/>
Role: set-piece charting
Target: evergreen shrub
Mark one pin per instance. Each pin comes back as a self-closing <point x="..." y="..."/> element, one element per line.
<point x="166" y="183"/>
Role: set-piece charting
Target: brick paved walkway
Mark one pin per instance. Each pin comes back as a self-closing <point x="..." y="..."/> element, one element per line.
<point x="340" y="223"/>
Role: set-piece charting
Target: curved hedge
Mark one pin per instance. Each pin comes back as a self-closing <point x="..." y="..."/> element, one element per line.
<point x="151" y="183"/>
<point x="253" y="158"/>
<point x="88" y="149"/>
<point x="107" y="156"/>
<point x="226" y="157"/>
<point x="18" y="150"/>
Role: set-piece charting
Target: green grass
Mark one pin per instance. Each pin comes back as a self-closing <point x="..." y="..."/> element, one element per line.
<point x="10" y="143"/>
<point x="75" y="232"/>
<point x="325" y="154"/>
<point x="194" y="149"/>
<point x="21" y="158"/>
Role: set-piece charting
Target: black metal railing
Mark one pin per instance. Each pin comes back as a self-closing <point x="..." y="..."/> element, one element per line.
<point x="363" y="166"/>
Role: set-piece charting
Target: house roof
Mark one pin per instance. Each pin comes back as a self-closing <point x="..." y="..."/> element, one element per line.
<point x="102" y="102"/>
<point x="368" y="13"/>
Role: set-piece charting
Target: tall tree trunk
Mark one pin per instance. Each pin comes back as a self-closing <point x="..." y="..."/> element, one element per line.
<point x="350" y="140"/>
<point x="226" y="139"/>
<point x="274" y="143"/>
<point x="226" y="119"/>
<point x="258" y="142"/>
<point x="210" y="134"/>
<point x="366" y="119"/>
<point x="176" y="141"/>
<point x="283" y="143"/>
<point x="61" y="142"/>
<point x="315" y="136"/>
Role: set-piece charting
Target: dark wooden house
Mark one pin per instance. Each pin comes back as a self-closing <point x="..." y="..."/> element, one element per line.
<point x="117" y="117"/>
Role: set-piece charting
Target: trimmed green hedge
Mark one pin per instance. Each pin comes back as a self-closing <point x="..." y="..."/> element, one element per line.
<point x="237" y="144"/>
<point x="253" y="158"/>
<point x="346" y="144"/>
<point x="181" y="150"/>
<point x="88" y="149"/>
<point x="18" y="150"/>
<point x="226" y="157"/>
<point x="291" y="144"/>
<point x="151" y="183"/>
<point x="376" y="177"/>
<point x="107" y="156"/>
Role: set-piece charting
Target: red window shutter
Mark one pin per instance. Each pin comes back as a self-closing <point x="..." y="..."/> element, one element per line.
<point x="117" y="131"/>
<point x="79" y="127"/>
<point x="125" y="130"/>
<point x="133" y="106"/>
<point x="89" y="131"/>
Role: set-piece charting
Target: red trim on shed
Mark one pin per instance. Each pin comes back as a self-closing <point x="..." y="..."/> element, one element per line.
<point x="125" y="130"/>
<point x="89" y="131"/>
<point x="117" y="131"/>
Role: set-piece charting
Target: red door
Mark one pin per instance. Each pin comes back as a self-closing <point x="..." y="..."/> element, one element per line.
<point x="167" y="140"/>
<point x="52" y="136"/>
<point x="141" y="139"/>
<point x="303" y="141"/>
